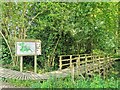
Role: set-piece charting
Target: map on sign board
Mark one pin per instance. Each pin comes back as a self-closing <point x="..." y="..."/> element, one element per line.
<point x="28" y="48"/>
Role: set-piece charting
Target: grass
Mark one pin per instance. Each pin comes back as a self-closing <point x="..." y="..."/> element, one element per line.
<point x="96" y="82"/>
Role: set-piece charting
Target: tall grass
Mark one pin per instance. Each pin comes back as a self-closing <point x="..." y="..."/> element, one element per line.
<point x="96" y="82"/>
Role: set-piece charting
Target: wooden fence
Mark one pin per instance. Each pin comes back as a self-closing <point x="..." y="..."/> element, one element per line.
<point x="66" y="61"/>
<point x="85" y="63"/>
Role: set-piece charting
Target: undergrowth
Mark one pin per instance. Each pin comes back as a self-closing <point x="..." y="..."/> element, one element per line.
<point x="96" y="82"/>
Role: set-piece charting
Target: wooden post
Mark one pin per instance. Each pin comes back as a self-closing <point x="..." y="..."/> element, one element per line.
<point x="35" y="63"/>
<point x="21" y="63"/>
<point x="111" y="62"/>
<point x="86" y="68"/>
<point x="104" y="73"/>
<point x="99" y="65"/>
<point x="107" y="64"/>
<point x="60" y="61"/>
<point x="72" y="72"/>
<point x="104" y="66"/>
<point x="78" y="65"/>
<point x="70" y="60"/>
<point x="93" y="57"/>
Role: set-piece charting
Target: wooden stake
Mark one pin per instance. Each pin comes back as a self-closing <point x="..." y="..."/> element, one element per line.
<point x="86" y="67"/>
<point x="60" y="60"/>
<point x="104" y="73"/>
<point x="70" y="60"/>
<point x="72" y="72"/>
<point x="93" y="63"/>
<point x="78" y="65"/>
<point x="21" y="63"/>
<point x="35" y="63"/>
<point x="107" y="66"/>
<point x="99" y="65"/>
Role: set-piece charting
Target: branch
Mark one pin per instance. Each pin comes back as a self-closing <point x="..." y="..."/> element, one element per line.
<point x="7" y="44"/>
<point x="34" y="18"/>
<point x="54" y="50"/>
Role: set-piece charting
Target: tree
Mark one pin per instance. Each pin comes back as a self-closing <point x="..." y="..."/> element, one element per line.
<point x="63" y="28"/>
<point x="13" y="24"/>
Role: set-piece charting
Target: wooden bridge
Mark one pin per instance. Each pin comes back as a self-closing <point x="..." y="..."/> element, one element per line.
<point x="68" y="65"/>
<point x="86" y="64"/>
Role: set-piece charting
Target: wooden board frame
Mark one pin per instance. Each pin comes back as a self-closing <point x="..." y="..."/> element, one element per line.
<point x="21" y="55"/>
<point x="27" y="40"/>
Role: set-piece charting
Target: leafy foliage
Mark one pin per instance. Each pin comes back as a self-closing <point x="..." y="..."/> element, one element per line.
<point x="74" y="28"/>
<point x="63" y="28"/>
<point x="6" y="59"/>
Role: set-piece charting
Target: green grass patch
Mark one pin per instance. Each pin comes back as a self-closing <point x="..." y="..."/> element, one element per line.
<point x="96" y="82"/>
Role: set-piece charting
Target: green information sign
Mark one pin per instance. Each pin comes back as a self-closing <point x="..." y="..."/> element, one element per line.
<point x="27" y="47"/>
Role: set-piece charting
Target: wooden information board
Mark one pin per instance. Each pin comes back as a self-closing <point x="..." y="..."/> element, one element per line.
<point x="28" y="47"/>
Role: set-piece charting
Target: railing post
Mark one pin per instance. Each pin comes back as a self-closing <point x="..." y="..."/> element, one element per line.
<point x="106" y="66"/>
<point x="86" y="68"/>
<point x="99" y="64"/>
<point x="78" y="65"/>
<point x="72" y="72"/>
<point x="108" y="58"/>
<point x="93" y="57"/>
<point x="60" y="61"/>
<point x="111" y="61"/>
<point x="70" y="60"/>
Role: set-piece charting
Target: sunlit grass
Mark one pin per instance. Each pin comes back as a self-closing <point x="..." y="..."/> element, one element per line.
<point x="96" y="82"/>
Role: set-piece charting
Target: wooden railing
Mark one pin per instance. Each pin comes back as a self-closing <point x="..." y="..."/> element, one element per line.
<point x="87" y="64"/>
<point x="66" y="61"/>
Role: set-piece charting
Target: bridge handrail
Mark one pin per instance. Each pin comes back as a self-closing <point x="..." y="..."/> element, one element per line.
<point x="87" y="58"/>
